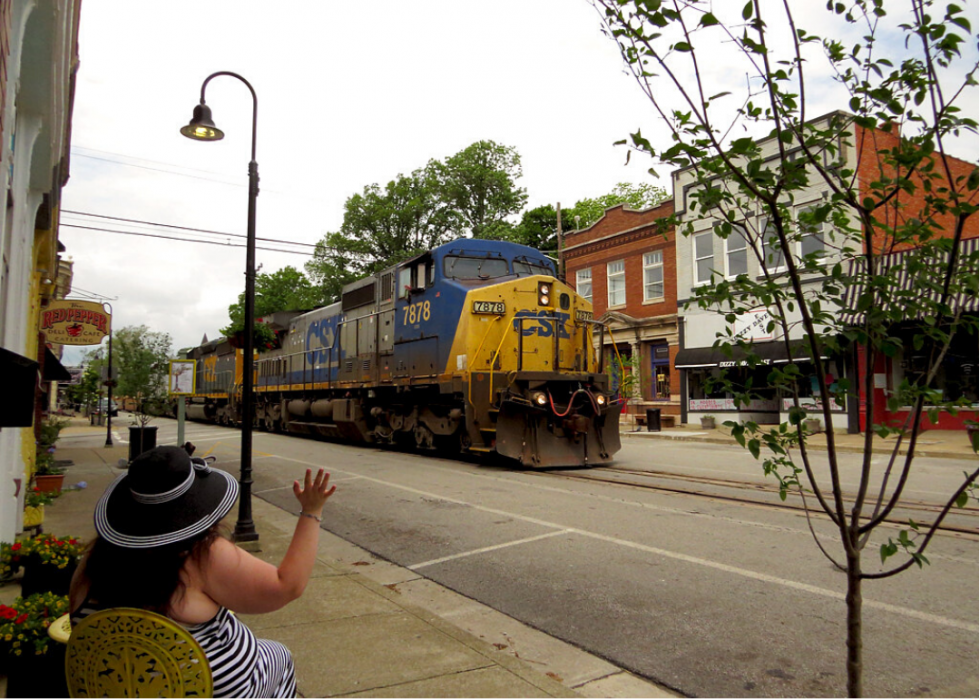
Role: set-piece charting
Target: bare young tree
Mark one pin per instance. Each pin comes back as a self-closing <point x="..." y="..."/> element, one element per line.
<point x="878" y="263"/>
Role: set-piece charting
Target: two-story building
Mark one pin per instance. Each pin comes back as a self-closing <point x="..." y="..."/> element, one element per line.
<point x="624" y="264"/>
<point x="704" y="257"/>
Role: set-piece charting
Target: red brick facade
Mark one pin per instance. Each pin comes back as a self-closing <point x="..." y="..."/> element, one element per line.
<point x="870" y="143"/>
<point x="636" y="325"/>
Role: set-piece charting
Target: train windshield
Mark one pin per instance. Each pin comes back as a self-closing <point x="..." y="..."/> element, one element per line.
<point x="475" y="267"/>
<point x="526" y="267"/>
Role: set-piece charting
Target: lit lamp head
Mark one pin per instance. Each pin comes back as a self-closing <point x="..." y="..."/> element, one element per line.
<point x="201" y="128"/>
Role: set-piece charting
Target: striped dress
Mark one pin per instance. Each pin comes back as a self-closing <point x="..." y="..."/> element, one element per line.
<point x="241" y="665"/>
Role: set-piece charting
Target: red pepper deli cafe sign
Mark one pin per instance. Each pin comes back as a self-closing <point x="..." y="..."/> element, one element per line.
<point x="75" y="322"/>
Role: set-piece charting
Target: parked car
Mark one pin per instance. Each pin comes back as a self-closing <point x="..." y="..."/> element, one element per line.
<point x="113" y="409"/>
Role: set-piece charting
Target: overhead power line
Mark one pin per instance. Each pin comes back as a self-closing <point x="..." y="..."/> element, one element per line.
<point x="182" y="240"/>
<point x="184" y="228"/>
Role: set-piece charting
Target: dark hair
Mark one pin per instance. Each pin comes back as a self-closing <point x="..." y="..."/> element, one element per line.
<point x="143" y="578"/>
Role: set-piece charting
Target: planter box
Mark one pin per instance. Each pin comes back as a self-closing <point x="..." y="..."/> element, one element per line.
<point x="30" y="675"/>
<point x="49" y="484"/>
<point x="41" y="577"/>
<point x="33" y="516"/>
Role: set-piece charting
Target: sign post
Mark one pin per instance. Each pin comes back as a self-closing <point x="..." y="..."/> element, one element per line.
<point x="180" y="383"/>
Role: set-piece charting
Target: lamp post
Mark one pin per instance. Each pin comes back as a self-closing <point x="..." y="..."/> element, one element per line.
<point x="109" y="383"/>
<point x="202" y="128"/>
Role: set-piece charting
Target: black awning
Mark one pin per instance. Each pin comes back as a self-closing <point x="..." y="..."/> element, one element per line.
<point x="19" y="381"/>
<point x="54" y="370"/>
<point x="768" y="352"/>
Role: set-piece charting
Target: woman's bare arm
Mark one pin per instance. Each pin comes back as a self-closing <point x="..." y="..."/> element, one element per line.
<point x="241" y="582"/>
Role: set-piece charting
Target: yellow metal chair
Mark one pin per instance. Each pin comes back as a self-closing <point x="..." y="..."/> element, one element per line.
<point x="124" y="652"/>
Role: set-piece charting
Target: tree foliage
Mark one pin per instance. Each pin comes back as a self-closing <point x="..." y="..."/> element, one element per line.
<point x="635" y="196"/>
<point x="141" y="358"/>
<point x="471" y="193"/>
<point x="830" y="271"/>
<point x="286" y="289"/>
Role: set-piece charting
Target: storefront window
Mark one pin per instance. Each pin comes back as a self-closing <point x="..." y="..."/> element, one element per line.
<point x="957" y="374"/>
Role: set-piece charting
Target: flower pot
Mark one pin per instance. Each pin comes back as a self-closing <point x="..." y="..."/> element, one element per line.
<point x="812" y="426"/>
<point x="33" y="516"/>
<point x="50" y="483"/>
<point x="43" y="577"/>
<point x="30" y="675"/>
<point x="708" y="422"/>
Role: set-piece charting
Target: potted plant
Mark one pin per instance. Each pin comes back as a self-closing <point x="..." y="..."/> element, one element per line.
<point x="9" y="559"/>
<point x="34" y="502"/>
<point x="33" y="663"/>
<point x="707" y="422"/>
<point x="49" y="562"/>
<point x="48" y="476"/>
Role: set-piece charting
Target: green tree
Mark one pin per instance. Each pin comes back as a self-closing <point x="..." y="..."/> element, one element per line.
<point x="286" y="289"/>
<point x="479" y="184"/>
<point x="537" y="228"/>
<point x="588" y="211"/>
<point x="86" y="391"/>
<point x="141" y="358"/>
<point x="383" y="226"/>
<point x="825" y="269"/>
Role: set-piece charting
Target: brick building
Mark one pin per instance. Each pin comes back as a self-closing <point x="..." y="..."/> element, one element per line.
<point x="626" y="265"/>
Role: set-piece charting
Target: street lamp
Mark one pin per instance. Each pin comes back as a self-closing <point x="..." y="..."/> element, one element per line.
<point x="202" y="128"/>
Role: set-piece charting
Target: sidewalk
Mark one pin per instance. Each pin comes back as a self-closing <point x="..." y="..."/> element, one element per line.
<point x="941" y="444"/>
<point x="365" y="627"/>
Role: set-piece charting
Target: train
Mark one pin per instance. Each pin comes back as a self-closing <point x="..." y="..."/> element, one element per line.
<point x="473" y="347"/>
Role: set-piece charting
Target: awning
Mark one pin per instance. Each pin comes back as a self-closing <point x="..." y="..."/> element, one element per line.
<point x="768" y="353"/>
<point x="905" y="281"/>
<point x="19" y="380"/>
<point x="54" y="370"/>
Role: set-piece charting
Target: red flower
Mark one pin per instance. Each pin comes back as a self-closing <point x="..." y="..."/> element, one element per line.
<point x="16" y="547"/>
<point x="21" y="619"/>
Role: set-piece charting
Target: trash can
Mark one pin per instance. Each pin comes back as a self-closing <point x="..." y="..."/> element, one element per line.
<point x="141" y="439"/>
<point x="96" y="419"/>
<point x="653" y="420"/>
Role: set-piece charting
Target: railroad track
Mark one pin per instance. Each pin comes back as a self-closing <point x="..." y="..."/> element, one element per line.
<point x="961" y="521"/>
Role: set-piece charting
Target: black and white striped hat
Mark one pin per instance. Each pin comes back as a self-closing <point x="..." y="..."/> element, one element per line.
<point x="165" y="498"/>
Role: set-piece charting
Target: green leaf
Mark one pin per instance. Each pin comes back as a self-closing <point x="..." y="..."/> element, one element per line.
<point x="747" y="11"/>
<point x="708" y="20"/>
<point x="887" y="550"/>
<point x="754" y="448"/>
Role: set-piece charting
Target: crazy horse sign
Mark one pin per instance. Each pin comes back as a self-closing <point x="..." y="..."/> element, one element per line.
<point x="75" y="322"/>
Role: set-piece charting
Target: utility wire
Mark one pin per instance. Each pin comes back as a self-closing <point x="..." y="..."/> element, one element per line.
<point x="182" y="240"/>
<point x="184" y="228"/>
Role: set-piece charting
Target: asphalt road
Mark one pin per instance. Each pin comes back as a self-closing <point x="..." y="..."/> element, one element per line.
<point x="706" y="595"/>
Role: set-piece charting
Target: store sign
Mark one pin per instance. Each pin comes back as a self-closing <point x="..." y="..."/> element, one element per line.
<point x="75" y="322"/>
<point x="753" y="325"/>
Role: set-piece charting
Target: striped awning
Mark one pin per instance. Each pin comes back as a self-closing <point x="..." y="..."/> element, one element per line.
<point x="905" y="281"/>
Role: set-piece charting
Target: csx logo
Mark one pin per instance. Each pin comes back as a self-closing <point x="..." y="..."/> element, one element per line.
<point x="545" y="325"/>
<point x="319" y="339"/>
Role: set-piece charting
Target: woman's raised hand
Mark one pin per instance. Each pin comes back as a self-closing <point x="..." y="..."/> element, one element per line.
<point x="313" y="494"/>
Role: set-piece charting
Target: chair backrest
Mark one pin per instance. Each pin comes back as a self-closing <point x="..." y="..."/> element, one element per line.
<point x="125" y="652"/>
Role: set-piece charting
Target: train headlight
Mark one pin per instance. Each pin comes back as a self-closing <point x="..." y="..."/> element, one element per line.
<point x="600" y="399"/>
<point x="544" y="294"/>
<point x="540" y="399"/>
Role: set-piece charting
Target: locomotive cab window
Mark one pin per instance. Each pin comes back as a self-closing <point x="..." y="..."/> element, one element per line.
<point x="455" y="267"/>
<point x="526" y="267"/>
<point x="415" y="276"/>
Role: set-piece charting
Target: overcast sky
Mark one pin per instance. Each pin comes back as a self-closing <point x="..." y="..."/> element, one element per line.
<point x="349" y="94"/>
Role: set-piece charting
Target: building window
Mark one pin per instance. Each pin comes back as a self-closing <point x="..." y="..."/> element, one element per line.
<point x="736" y="255"/>
<point x="616" y="280"/>
<point x="813" y="240"/>
<point x="704" y="256"/>
<point x="653" y="276"/>
<point x="583" y="283"/>
<point x="772" y="251"/>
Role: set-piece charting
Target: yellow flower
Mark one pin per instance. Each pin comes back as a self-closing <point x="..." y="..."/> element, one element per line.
<point x="17" y="652"/>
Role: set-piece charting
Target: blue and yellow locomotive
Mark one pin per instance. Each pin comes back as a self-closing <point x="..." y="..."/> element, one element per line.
<point x="474" y="346"/>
